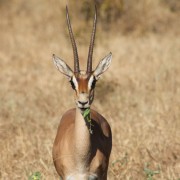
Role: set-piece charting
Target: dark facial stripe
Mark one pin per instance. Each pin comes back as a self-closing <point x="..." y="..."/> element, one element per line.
<point x="93" y="83"/>
<point x="72" y="84"/>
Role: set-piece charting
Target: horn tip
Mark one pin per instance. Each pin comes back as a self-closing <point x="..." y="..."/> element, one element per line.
<point x="95" y="7"/>
<point x="66" y="9"/>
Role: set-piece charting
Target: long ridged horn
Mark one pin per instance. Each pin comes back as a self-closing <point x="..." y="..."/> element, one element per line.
<point x="91" y="46"/>
<point x="75" y="52"/>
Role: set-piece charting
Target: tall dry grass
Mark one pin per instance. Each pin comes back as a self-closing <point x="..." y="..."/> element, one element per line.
<point x="139" y="95"/>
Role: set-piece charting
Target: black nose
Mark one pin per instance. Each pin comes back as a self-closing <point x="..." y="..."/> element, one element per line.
<point x="82" y="103"/>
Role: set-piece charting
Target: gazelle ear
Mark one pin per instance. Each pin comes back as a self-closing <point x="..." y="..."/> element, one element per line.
<point x="62" y="66"/>
<point x="103" y="66"/>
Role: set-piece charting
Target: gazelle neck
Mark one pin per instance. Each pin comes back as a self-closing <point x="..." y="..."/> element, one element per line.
<point x="82" y="141"/>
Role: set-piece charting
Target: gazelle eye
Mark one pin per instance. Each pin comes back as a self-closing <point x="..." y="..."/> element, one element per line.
<point x="93" y="84"/>
<point x="72" y="84"/>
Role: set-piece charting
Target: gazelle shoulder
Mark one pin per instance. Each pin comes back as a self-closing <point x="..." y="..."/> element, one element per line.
<point x="69" y="116"/>
<point x="102" y="122"/>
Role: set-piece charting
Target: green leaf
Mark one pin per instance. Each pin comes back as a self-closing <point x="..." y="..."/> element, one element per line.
<point x="35" y="176"/>
<point x="86" y="113"/>
<point x="149" y="172"/>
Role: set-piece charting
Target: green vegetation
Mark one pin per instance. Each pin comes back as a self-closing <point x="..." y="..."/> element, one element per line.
<point x="87" y="117"/>
<point x="35" y="176"/>
<point x="149" y="172"/>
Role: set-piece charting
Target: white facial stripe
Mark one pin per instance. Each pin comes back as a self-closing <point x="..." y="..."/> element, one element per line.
<point x="90" y="82"/>
<point x="75" y="82"/>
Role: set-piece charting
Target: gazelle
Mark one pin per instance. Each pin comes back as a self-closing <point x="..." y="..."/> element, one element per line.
<point x="83" y="142"/>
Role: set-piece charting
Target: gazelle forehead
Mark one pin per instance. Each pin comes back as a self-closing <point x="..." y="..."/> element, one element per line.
<point x="82" y="76"/>
<point x="83" y="72"/>
<point x="82" y="81"/>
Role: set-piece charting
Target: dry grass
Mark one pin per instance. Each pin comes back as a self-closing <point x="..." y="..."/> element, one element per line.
<point x="140" y="93"/>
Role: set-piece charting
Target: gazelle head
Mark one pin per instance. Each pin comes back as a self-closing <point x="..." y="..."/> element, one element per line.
<point x="83" y="82"/>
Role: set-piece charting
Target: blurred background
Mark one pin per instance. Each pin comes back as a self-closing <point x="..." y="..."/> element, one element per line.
<point x="139" y="95"/>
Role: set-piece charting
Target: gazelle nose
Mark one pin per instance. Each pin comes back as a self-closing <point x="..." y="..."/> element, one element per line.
<point x="83" y="103"/>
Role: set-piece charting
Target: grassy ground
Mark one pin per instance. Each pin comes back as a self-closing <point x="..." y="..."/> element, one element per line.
<point x="139" y="95"/>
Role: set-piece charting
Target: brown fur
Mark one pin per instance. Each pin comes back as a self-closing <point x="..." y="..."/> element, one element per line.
<point x="64" y="155"/>
<point x="82" y="80"/>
